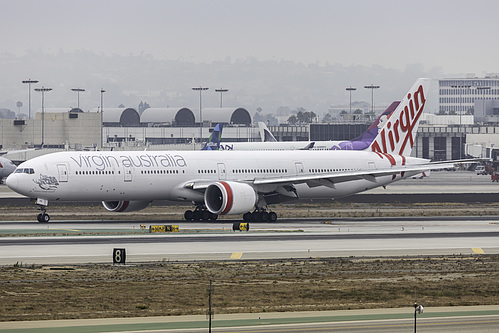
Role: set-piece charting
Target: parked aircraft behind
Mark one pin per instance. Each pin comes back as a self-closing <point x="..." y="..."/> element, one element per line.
<point x="6" y="168"/>
<point x="6" y="165"/>
<point x="265" y="134"/>
<point x="223" y="182"/>
<point x="359" y="143"/>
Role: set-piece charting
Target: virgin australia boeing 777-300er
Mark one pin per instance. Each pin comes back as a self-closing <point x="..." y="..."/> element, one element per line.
<point x="227" y="182"/>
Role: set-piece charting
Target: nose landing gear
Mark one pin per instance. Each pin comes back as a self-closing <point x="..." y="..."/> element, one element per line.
<point x="43" y="217"/>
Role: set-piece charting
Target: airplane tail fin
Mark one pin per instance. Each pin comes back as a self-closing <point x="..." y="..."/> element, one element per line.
<point x="364" y="140"/>
<point x="214" y="141"/>
<point x="398" y="132"/>
<point x="265" y="134"/>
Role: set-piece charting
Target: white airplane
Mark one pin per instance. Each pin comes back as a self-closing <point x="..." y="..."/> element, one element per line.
<point x="270" y="143"/>
<point x="227" y="182"/>
<point x="6" y="168"/>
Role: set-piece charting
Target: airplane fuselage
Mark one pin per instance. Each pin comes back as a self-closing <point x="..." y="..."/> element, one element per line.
<point x="160" y="175"/>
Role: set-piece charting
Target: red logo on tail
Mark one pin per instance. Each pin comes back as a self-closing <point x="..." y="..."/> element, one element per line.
<point x="400" y="130"/>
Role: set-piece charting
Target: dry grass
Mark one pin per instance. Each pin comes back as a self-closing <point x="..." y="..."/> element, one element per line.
<point x="96" y="291"/>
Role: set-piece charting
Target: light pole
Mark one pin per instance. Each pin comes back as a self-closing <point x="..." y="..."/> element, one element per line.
<point x="350" y="89"/>
<point x="221" y="91"/>
<point x="29" y="82"/>
<point x="78" y="90"/>
<point x="417" y="309"/>
<point x="460" y="87"/>
<point x="200" y="89"/>
<point x="372" y="87"/>
<point x="43" y="90"/>
<point x="102" y="91"/>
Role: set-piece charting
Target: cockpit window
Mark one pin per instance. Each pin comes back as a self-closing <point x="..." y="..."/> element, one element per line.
<point x="29" y="171"/>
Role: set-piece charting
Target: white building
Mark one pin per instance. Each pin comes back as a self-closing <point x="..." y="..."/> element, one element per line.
<point x="458" y="96"/>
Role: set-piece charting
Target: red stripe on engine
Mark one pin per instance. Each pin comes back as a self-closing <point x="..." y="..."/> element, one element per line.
<point x="230" y="197"/>
<point x="124" y="206"/>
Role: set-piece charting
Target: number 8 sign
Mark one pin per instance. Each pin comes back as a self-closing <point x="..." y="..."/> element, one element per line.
<point x="119" y="256"/>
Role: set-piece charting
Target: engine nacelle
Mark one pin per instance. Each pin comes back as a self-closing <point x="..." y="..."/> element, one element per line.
<point x="125" y="206"/>
<point x="230" y="198"/>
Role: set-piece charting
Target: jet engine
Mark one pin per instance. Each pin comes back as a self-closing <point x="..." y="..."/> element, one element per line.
<point x="125" y="206"/>
<point x="230" y="198"/>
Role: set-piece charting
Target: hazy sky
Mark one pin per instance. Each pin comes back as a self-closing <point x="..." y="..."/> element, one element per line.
<point x="457" y="36"/>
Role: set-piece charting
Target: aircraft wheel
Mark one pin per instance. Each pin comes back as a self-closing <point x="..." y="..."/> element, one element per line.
<point x="272" y="217"/>
<point x="43" y="218"/>
<point x="205" y="215"/>
<point x="213" y="217"/>
<point x="255" y="217"/>
<point x="196" y="215"/>
<point x="264" y="216"/>
<point x="247" y="217"/>
<point x="188" y="215"/>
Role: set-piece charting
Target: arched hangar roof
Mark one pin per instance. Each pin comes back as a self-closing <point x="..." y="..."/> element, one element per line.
<point x="173" y="116"/>
<point x="125" y="117"/>
<point x="227" y="115"/>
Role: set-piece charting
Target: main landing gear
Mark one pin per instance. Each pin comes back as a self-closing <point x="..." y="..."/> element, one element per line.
<point x="199" y="214"/>
<point x="260" y="215"/>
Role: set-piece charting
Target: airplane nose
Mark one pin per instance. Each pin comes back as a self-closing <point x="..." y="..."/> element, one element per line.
<point x="12" y="181"/>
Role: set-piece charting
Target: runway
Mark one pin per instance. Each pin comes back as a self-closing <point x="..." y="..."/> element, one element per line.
<point x="306" y="238"/>
<point x="83" y="242"/>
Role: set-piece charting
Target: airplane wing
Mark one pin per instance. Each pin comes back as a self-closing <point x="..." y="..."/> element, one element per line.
<point x="328" y="179"/>
<point x="340" y="177"/>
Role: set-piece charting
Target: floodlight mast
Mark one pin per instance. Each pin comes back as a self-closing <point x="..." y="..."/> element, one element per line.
<point x="78" y="90"/>
<point x="221" y="91"/>
<point x="350" y="89"/>
<point x="102" y="91"/>
<point x="372" y="87"/>
<point x="29" y="82"/>
<point x="200" y="89"/>
<point x="43" y="90"/>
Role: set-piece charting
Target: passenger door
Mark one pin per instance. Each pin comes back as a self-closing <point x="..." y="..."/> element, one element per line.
<point x="63" y="172"/>
<point x="222" y="172"/>
<point x="128" y="173"/>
